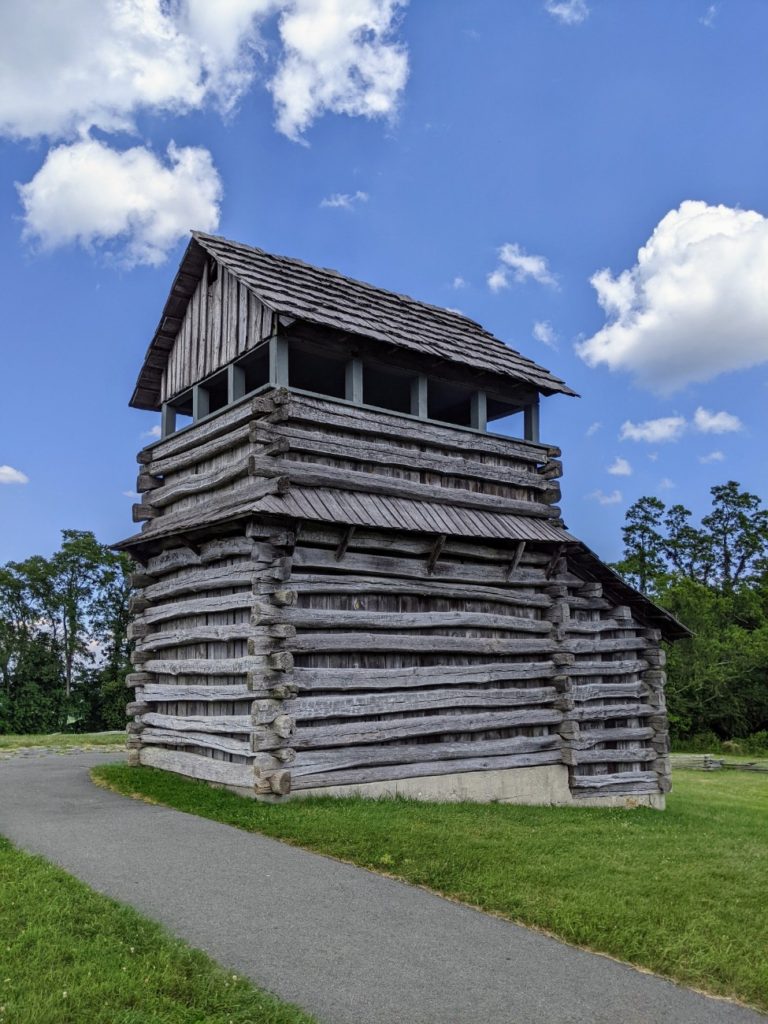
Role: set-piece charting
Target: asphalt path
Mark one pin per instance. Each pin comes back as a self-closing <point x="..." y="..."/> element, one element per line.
<point x="345" y="944"/>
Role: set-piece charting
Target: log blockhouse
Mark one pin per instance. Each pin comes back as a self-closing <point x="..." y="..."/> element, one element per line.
<point x="346" y="582"/>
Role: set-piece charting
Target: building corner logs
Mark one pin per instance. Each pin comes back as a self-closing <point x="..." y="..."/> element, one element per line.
<point x="308" y="612"/>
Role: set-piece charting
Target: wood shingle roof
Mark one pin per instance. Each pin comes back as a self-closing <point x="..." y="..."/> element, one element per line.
<point x="329" y="299"/>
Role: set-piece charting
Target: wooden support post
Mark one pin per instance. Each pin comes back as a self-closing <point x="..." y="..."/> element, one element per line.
<point x="531" y="421"/>
<point x="519" y="551"/>
<point x="419" y="387"/>
<point x="552" y="564"/>
<point x="167" y="420"/>
<point x="437" y="549"/>
<point x="341" y="550"/>
<point x="353" y="391"/>
<point x="235" y="383"/>
<point x="200" y="402"/>
<point x="278" y="361"/>
<point x="479" y="411"/>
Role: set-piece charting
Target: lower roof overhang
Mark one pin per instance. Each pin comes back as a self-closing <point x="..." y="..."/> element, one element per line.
<point x="385" y="512"/>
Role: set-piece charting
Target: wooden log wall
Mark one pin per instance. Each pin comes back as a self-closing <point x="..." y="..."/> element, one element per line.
<point x="615" y="737"/>
<point x="280" y="440"/>
<point x="276" y="655"/>
<point x="222" y="321"/>
<point x="201" y="661"/>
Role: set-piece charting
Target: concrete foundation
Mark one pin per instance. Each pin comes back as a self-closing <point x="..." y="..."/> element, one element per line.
<point x="545" y="785"/>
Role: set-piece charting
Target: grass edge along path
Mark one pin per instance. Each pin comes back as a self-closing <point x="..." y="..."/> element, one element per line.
<point x="72" y="956"/>
<point x="61" y="741"/>
<point x="675" y="892"/>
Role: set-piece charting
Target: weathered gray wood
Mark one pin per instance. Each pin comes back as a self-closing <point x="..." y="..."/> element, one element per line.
<point x="310" y="474"/>
<point x="598" y="713"/>
<point x="169" y="737"/>
<point x="226" y="507"/>
<point x="395" y="542"/>
<point x="626" y="756"/>
<point x="608" y="668"/>
<point x="144" y="513"/>
<point x="595" y="646"/>
<point x="176" y="463"/>
<point x="199" y="606"/>
<point x="314" y="679"/>
<point x="200" y="433"/>
<point x="198" y="767"/>
<point x="213" y="634"/>
<point x="362" y="562"/>
<point x="304" y="708"/>
<point x="204" y="666"/>
<point x="603" y="626"/>
<point x="598" y="691"/>
<point x="360" y="776"/>
<point x="210" y="551"/>
<point x="614" y="779"/>
<point x="198" y="483"/>
<point x="310" y="583"/>
<point x="369" y="450"/>
<point x="314" y="762"/>
<point x="157" y="692"/>
<point x="192" y="581"/>
<point x="308" y="737"/>
<point x="200" y="723"/>
<point x="419" y="643"/>
<point x="389" y="425"/>
<point x="321" y="618"/>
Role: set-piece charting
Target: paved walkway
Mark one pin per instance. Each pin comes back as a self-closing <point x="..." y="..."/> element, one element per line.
<point x="345" y="944"/>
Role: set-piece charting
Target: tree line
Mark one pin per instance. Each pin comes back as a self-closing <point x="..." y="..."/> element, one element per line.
<point x="64" y="648"/>
<point x="713" y="576"/>
<point x="65" y="652"/>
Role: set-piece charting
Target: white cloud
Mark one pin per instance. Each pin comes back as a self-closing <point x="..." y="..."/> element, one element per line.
<point x="716" y="456"/>
<point x="344" y="200"/>
<point x="130" y="494"/>
<point x="9" y="475"/>
<point x="665" y="484"/>
<point x="458" y="282"/>
<point x="497" y="279"/>
<point x="569" y="12"/>
<point x="708" y="18"/>
<point x="666" y="428"/>
<point x="545" y="333"/>
<point x="153" y="431"/>
<point x="620" y="467"/>
<point x="65" y="68"/>
<point x="593" y="428"/>
<point x="69" y="68"/>
<point x="338" y="57"/>
<point x="716" y="422"/>
<point x="101" y="198"/>
<point x="693" y="306"/>
<point x="606" y="499"/>
<point x="653" y="456"/>
<point x="522" y="265"/>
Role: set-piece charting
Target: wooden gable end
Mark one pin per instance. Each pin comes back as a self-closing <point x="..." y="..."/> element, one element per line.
<point x="223" y="319"/>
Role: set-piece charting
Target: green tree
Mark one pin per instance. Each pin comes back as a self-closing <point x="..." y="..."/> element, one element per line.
<point x="714" y="578"/>
<point x="64" y="648"/>
<point x="643" y="562"/>
<point x="32" y="695"/>
<point x="737" y="528"/>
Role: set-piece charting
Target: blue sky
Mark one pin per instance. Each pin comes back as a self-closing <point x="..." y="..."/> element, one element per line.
<point x="457" y="135"/>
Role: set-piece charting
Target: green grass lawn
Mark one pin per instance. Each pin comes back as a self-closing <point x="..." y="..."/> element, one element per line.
<point x="683" y="892"/>
<point x="64" y="741"/>
<point x="71" y="956"/>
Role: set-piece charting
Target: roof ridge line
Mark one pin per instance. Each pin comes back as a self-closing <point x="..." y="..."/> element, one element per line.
<point x="197" y="235"/>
